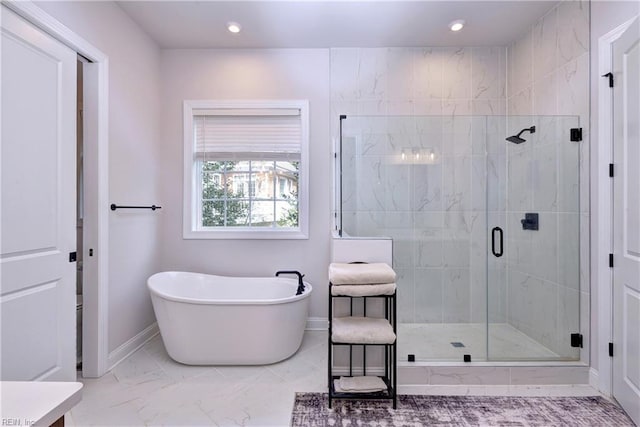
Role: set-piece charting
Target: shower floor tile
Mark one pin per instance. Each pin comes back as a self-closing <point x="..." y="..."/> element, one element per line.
<point x="439" y="342"/>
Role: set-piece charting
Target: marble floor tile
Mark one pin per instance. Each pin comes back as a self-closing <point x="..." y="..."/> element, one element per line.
<point x="148" y="388"/>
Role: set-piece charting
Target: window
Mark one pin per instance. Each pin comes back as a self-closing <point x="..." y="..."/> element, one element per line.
<point x="245" y="169"/>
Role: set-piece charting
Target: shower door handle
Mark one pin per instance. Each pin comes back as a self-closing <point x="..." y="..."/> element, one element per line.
<point x="494" y="231"/>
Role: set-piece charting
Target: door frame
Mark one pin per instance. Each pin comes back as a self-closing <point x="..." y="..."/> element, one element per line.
<point x="95" y="300"/>
<point x="602" y="209"/>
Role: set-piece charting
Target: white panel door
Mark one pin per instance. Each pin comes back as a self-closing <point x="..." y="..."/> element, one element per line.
<point x="626" y="221"/>
<point x="37" y="291"/>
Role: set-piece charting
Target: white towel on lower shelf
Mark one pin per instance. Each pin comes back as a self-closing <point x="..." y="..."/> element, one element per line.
<point x="363" y="290"/>
<point x="362" y="330"/>
<point x="367" y="384"/>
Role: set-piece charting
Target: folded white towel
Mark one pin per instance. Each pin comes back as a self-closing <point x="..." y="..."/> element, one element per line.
<point x="361" y="274"/>
<point x="338" y="389"/>
<point x="365" y="384"/>
<point x="362" y="330"/>
<point x="363" y="290"/>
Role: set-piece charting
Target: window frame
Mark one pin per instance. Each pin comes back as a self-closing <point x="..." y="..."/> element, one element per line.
<point x="192" y="179"/>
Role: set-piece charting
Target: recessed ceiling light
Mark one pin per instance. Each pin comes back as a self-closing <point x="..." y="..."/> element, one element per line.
<point x="456" y="25"/>
<point x="234" y="27"/>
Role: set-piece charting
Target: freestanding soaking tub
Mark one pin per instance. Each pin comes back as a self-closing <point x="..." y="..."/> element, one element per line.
<point x="216" y="320"/>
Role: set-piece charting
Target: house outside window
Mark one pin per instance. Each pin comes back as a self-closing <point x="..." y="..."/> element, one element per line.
<point x="246" y="169"/>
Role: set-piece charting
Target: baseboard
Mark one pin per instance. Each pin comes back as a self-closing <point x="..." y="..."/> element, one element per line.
<point x="317" y="324"/>
<point x="126" y="349"/>
<point x="593" y="378"/>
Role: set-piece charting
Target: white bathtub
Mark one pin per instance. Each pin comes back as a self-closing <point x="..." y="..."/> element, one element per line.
<point x="217" y="320"/>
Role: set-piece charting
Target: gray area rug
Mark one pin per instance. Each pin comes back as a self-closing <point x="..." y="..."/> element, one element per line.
<point x="310" y="409"/>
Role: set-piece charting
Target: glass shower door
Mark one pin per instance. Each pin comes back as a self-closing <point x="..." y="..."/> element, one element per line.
<point x="533" y="219"/>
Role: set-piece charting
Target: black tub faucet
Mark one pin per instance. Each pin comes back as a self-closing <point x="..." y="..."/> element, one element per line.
<point x="300" y="289"/>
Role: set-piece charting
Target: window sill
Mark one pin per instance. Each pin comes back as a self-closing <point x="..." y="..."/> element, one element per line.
<point x="245" y="235"/>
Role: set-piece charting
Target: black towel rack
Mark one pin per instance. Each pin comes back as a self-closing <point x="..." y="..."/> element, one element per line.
<point x="152" y="207"/>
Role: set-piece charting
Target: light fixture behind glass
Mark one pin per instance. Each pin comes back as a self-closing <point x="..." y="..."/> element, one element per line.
<point x="456" y="25"/>
<point x="233" y="27"/>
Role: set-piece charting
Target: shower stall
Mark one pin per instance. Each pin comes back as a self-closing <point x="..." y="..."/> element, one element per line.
<point x="484" y="214"/>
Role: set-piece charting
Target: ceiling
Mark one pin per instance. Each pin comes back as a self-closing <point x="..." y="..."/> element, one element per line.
<point x="318" y="24"/>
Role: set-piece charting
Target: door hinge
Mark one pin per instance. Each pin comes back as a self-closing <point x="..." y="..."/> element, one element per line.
<point x="73" y="256"/>
<point x="610" y="75"/>
<point x="611" y="170"/>
<point x="610" y="349"/>
<point x="576" y="340"/>
<point x="576" y="134"/>
<point x="611" y="260"/>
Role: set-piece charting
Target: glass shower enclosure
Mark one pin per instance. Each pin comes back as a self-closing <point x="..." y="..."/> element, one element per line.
<point x="484" y="216"/>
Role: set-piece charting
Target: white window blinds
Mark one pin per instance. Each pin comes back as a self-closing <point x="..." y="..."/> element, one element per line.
<point x="252" y="133"/>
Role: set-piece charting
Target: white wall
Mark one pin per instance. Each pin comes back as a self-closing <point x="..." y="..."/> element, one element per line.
<point x="605" y="16"/>
<point x="134" y="165"/>
<point x="248" y="74"/>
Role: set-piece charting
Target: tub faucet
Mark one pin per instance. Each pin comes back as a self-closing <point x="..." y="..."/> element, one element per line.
<point x="300" y="289"/>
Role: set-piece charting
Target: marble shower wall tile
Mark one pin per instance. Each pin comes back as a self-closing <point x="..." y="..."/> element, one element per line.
<point x="573" y="34"/>
<point x="488" y="76"/>
<point x="573" y="88"/>
<point x="400" y="74"/>
<point x="479" y="266"/>
<point x="545" y="42"/>
<point x="555" y="182"/>
<point x="428" y="73"/>
<point x="429" y="285"/>
<point x="520" y="69"/>
<point x="569" y="250"/>
<point x="456" y="296"/>
<point x="544" y="177"/>
<point x="372" y="73"/>
<point x="456" y="183"/>
<point x="427" y="187"/>
<point x="456" y="82"/>
<point x="406" y="294"/>
<point x="428" y="244"/>
<point x="545" y="92"/>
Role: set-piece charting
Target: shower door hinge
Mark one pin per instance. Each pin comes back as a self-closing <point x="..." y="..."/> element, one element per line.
<point x="611" y="260"/>
<point x="576" y="134"/>
<point x="611" y="170"/>
<point x="576" y="340"/>
<point x="610" y="349"/>
<point x="610" y="75"/>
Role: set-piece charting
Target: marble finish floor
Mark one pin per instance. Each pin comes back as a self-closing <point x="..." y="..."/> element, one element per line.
<point x="432" y="341"/>
<point x="148" y="388"/>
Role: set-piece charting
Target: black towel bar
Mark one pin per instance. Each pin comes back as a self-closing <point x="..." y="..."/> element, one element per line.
<point x="152" y="207"/>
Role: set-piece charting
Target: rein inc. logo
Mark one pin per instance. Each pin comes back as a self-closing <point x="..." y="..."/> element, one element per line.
<point x="17" y="422"/>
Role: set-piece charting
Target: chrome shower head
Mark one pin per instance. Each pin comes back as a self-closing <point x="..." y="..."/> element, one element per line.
<point x="516" y="138"/>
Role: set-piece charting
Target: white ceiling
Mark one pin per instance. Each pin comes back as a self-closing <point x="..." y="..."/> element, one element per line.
<point x="314" y="24"/>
